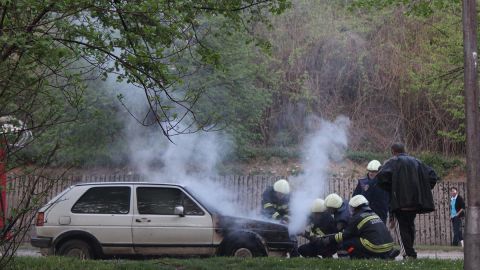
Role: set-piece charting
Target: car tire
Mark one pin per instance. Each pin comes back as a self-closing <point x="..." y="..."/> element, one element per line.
<point x="244" y="249"/>
<point x="77" y="249"/>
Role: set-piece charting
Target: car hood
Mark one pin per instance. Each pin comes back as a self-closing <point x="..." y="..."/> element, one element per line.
<point x="233" y="222"/>
<point x="274" y="235"/>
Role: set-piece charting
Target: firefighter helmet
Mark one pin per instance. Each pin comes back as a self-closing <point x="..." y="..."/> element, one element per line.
<point x="333" y="201"/>
<point x="318" y="206"/>
<point x="374" y="166"/>
<point x="281" y="186"/>
<point x="358" y="200"/>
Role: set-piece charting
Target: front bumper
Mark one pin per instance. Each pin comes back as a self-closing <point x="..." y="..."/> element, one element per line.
<point x="41" y="242"/>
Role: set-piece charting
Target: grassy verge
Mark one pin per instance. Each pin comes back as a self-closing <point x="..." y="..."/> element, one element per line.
<point x="231" y="264"/>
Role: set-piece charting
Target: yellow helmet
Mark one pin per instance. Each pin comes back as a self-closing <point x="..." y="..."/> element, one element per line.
<point x="318" y="206"/>
<point x="281" y="186"/>
<point x="333" y="201"/>
<point x="357" y="200"/>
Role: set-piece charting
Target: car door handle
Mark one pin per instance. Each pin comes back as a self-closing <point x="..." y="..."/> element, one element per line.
<point x="142" y="220"/>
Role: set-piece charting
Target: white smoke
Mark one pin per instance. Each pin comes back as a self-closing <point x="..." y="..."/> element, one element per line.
<point x="192" y="159"/>
<point x="188" y="159"/>
<point x="325" y="144"/>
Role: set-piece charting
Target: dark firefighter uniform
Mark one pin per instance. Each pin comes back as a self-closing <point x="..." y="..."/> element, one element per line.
<point x="378" y="199"/>
<point x="366" y="236"/>
<point x="273" y="207"/>
<point x="342" y="216"/>
<point x="320" y="225"/>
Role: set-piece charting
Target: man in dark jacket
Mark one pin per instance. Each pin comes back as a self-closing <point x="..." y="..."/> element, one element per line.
<point x="457" y="212"/>
<point x="366" y="236"/>
<point x="378" y="199"/>
<point x="275" y="200"/>
<point x="409" y="183"/>
<point x="321" y="224"/>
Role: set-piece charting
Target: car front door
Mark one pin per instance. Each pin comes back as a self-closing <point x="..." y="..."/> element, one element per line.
<point x="157" y="230"/>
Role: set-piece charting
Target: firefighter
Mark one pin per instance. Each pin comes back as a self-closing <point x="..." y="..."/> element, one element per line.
<point x="366" y="235"/>
<point x="321" y="224"/>
<point x="338" y="207"/>
<point x="275" y="201"/>
<point x="378" y="199"/>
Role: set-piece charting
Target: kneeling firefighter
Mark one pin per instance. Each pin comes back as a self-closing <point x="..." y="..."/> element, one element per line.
<point x="275" y="201"/>
<point x="366" y="236"/>
<point x="321" y="224"/>
<point x="338" y="207"/>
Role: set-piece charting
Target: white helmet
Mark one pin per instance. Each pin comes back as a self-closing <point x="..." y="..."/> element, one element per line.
<point x="373" y="165"/>
<point x="357" y="200"/>
<point x="281" y="186"/>
<point x="318" y="206"/>
<point x="333" y="201"/>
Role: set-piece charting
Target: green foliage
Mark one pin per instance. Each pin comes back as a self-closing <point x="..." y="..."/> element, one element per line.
<point x="363" y="156"/>
<point x="236" y="93"/>
<point x="52" y="49"/>
<point x="418" y="8"/>
<point x="234" y="263"/>
<point x="437" y="65"/>
<point x="284" y="153"/>
<point x="442" y="165"/>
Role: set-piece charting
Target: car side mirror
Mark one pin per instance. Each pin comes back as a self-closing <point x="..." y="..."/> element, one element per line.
<point x="179" y="211"/>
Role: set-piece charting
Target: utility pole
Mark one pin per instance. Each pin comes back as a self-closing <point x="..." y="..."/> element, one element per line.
<point x="472" y="230"/>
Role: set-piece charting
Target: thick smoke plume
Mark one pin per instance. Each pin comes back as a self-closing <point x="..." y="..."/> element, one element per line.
<point x="325" y="144"/>
<point x="191" y="159"/>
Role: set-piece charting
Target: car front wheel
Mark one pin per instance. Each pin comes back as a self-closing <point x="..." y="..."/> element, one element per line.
<point x="244" y="249"/>
<point x="76" y="248"/>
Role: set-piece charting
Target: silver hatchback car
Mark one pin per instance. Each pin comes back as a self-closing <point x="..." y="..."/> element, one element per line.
<point x="99" y="220"/>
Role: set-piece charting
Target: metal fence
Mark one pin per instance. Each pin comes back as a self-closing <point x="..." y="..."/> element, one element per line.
<point x="431" y="229"/>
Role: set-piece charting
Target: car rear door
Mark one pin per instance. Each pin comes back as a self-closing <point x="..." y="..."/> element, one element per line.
<point x="104" y="211"/>
<point x="158" y="231"/>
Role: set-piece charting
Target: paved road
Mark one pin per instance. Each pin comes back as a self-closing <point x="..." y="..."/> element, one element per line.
<point x="452" y="255"/>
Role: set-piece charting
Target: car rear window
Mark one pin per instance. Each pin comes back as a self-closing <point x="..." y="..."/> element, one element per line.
<point x="162" y="201"/>
<point x="104" y="200"/>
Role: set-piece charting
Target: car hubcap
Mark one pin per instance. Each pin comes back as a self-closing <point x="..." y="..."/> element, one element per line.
<point x="77" y="253"/>
<point x="243" y="253"/>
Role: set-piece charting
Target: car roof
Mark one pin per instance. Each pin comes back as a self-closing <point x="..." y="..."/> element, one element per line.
<point x="129" y="183"/>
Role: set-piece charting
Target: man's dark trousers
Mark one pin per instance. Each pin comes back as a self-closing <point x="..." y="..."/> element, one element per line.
<point x="457" y="230"/>
<point x="406" y="224"/>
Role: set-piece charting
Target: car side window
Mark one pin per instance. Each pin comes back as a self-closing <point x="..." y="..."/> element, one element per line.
<point x="104" y="200"/>
<point x="162" y="201"/>
<point x="190" y="207"/>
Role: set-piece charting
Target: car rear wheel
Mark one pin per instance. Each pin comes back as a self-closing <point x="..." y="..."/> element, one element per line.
<point x="77" y="249"/>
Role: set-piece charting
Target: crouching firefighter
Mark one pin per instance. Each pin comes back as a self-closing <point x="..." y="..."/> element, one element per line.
<point x="321" y="223"/>
<point x="275" y="201"/>
<point x="338" y="207"/>
<point x="366" y="236"/>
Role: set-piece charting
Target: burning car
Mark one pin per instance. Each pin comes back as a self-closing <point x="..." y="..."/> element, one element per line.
<point x="130" y="218"/>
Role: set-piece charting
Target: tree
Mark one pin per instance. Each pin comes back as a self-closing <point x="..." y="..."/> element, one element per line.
<point x="471" y="105"/>
<point x="472" y="101"/>
<point x="50" y="50"/>
<point x="139" y="41"/>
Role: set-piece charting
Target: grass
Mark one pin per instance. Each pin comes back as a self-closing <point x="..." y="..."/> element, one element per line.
<point x="45" y="263"/>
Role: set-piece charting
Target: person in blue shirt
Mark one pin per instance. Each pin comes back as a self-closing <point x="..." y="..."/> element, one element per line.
<point x="457" y="212"/>
<point x="378" y="198"/>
